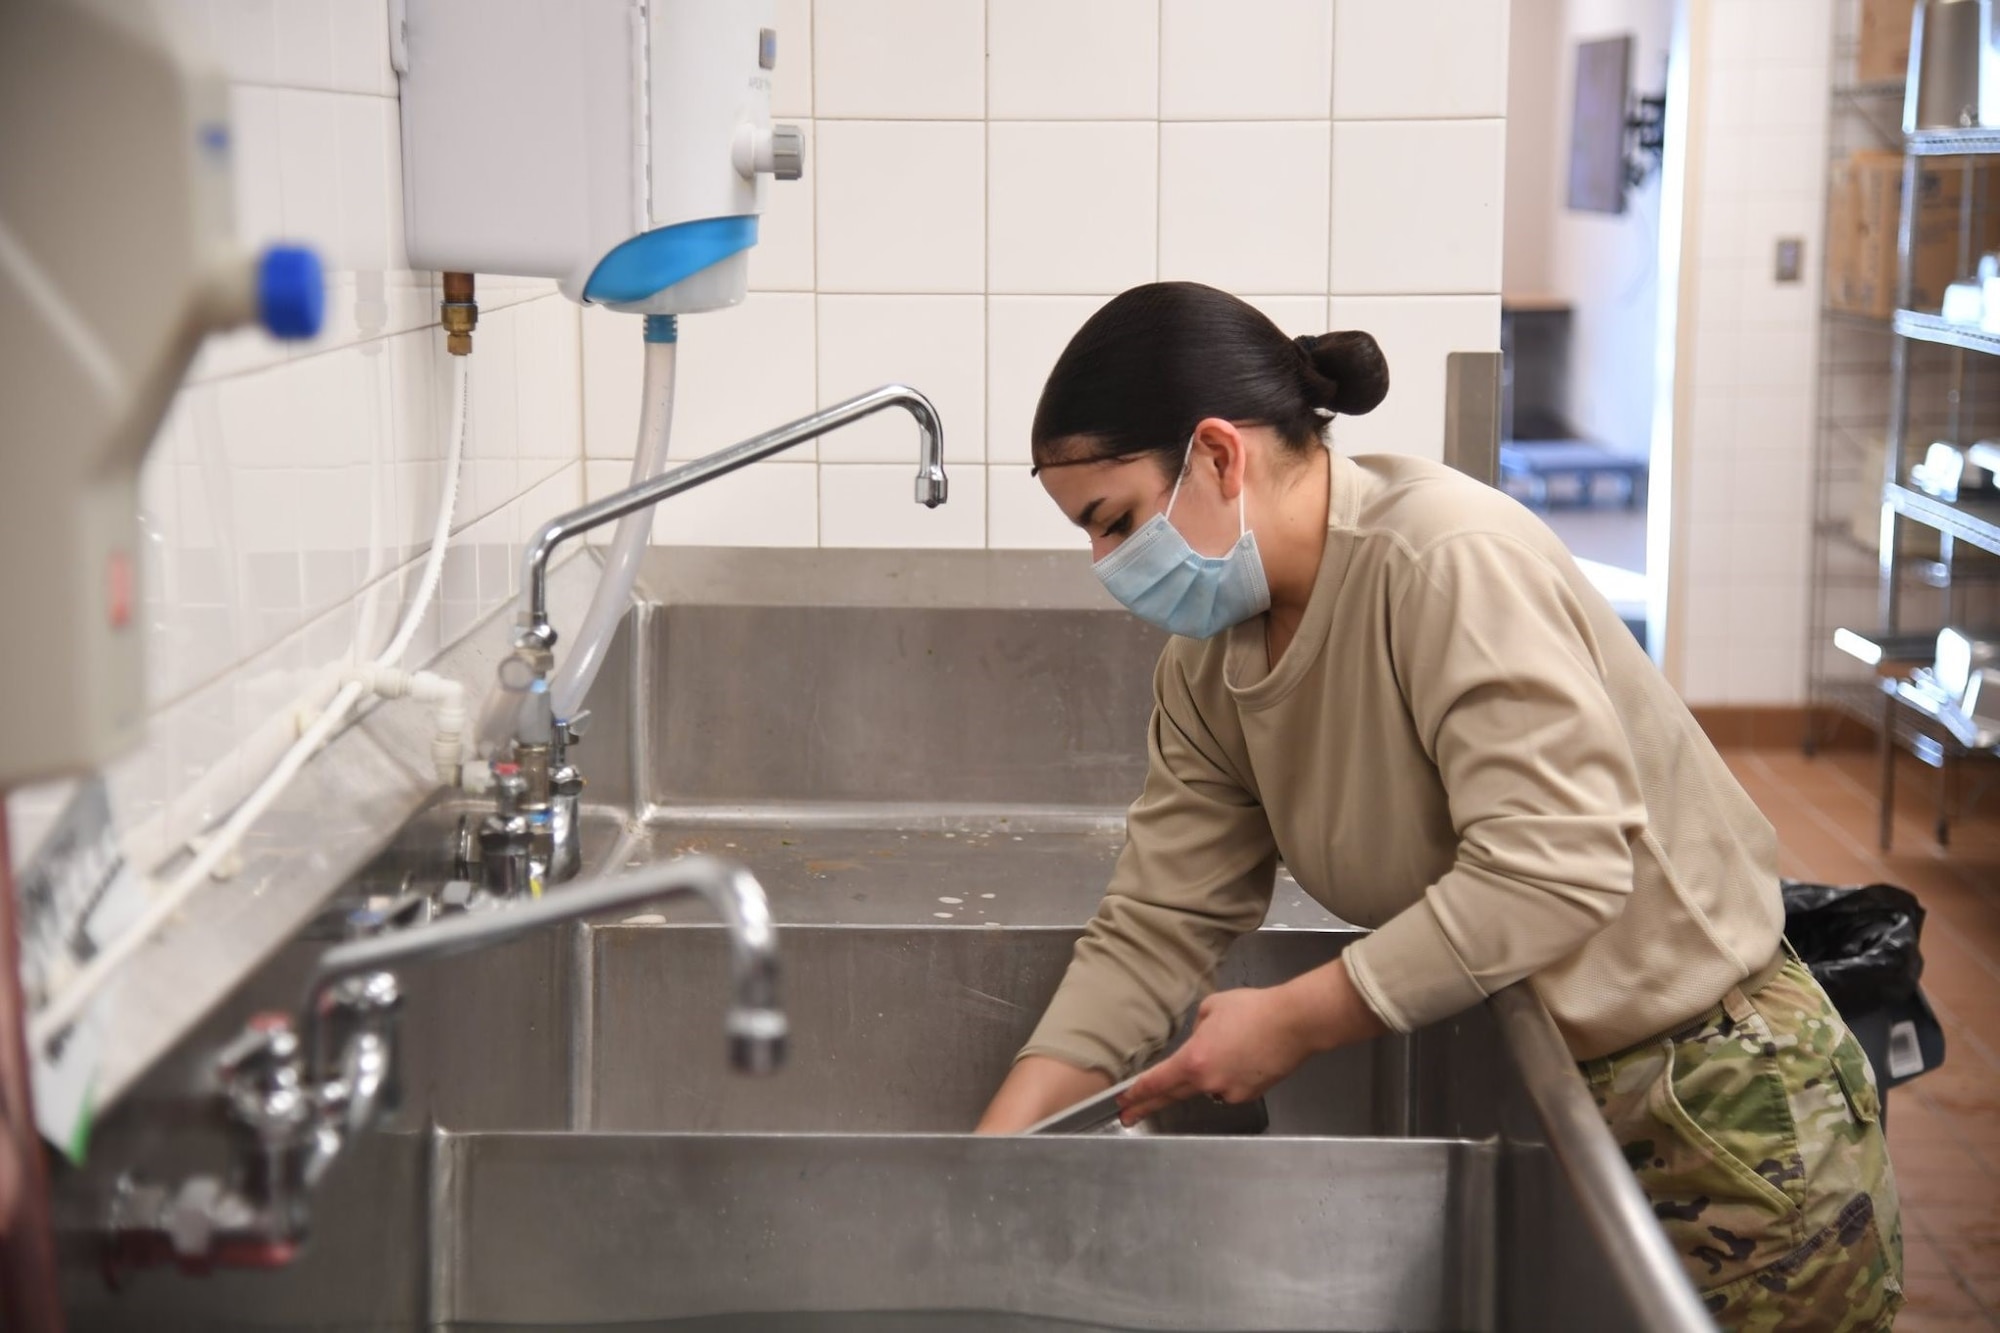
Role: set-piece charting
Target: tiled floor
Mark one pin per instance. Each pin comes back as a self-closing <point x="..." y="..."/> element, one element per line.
<point x="1944" y="1128"/>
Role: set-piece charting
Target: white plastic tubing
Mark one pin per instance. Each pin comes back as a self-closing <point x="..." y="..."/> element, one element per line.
<point x="500" y="719"/>
<point x="621" y="565"/>
<point x="67" y="1004"/>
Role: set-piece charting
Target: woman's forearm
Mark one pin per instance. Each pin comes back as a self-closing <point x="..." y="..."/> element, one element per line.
<point x="1328" y="1010"/>
<point x="1036" y="1088"/>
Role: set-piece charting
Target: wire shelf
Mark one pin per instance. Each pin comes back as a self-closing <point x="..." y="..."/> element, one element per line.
<point x="1921" y="327"/>
<point x="1955" y="143"/>
<point x="1977" y="526"/>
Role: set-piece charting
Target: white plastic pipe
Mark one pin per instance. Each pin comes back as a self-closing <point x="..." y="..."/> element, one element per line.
<point x="66" y="1005"/>
<point x="446" y="698"/>
<point x="579" y="667"/>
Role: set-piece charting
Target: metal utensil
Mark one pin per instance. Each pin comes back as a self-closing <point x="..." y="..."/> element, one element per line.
<point x="1093" y="1115"/>
<point x="1196" y="1115"/>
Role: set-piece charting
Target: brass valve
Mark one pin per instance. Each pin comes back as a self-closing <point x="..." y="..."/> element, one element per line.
<point x="459" y="313"/>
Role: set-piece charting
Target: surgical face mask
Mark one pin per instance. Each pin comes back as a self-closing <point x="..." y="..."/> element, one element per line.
<point x="1165" y="582"/>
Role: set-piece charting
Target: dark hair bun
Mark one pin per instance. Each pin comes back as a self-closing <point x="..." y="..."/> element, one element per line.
<point x="1346" y="371"/>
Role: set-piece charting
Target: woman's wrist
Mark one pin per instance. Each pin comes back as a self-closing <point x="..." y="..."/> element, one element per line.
<point x="1325" y="1011"/>
<point x="1037" y="1087"/>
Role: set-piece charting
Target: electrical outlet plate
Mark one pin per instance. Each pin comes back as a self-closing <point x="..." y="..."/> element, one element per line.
<point x="1789" y="264"/>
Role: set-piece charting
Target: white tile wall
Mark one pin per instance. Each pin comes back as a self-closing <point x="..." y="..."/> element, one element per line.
<point x="1416" y="333"/>
<point x="1244" y="206"/>
<point x="1072" y="207"/>
<point x="1073" y="60"/>
<point x="774" y="503"/>
<point x="1416" y="206"/>
<point x="1245" y="60"/>
<point x="982" y="177"/>
<point x="1024" y="336"/>
<point x="613" y="360"/>
<point x="905" y="59"/>
<point x="1021" y="517"/>
<point x="900" y="206"/>
<point x="741" y="371"/>
<point x="983" y="174"/>
<point x="1439" y="59"/>
<point x="290" y="495"/>
<point x="869" y="504"/>
<point x="1743" y="526"/>
<point x="936" y="343"/>
<point x="792" y="79"/>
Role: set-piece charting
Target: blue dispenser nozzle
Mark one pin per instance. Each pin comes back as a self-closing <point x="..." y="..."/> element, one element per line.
<point x="291" y="292"/>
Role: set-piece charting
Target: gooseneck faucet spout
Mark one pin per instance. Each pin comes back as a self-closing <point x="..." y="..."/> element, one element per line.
<point x="293" y="1099"/>
<point x="931" y="485"/>
<point x="756" y="1025"/>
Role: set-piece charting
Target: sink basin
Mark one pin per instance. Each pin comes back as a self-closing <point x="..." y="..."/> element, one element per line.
<point x="927" y="778"/>
<point x="1130" y="1233"/>
<point x="575" y="1153"/>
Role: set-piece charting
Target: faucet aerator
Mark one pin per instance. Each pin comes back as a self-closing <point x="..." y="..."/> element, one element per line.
<point x="758" y="1041"/>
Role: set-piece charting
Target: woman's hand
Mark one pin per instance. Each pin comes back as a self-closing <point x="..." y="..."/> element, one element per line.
<point x="1035" y="1089"/>
<point x="1244" y="1041"/>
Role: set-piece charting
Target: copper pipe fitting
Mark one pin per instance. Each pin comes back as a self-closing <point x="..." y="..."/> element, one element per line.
<point x="459" y="313"/>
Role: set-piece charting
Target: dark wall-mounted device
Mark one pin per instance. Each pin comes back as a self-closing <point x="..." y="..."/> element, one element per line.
<point x="1615" y="140"/>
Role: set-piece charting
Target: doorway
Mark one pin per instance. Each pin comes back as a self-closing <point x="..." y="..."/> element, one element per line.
<point x="1581" y="281"/>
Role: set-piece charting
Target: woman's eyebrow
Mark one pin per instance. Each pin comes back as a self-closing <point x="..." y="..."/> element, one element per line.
<point x="1084" y="519"/>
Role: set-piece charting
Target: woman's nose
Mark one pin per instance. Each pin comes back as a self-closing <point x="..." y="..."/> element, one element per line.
<point x="1103" y="546"/>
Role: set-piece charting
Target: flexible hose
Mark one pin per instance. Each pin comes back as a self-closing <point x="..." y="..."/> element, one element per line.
<point x="502" y="717"/>
<point x="575" y="673"/>
<point x="66" y="1005"/>
<point x="427" y="586"/>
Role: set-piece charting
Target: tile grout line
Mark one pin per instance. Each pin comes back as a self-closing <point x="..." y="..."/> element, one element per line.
<point x="319" y="616"/>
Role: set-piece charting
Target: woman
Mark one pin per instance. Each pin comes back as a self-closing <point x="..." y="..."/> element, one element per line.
<point x="1397" y="680"/>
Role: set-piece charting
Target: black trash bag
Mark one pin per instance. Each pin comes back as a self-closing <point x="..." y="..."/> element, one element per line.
<point x="1860" y="942"/>
<point x="1863" y="945"/>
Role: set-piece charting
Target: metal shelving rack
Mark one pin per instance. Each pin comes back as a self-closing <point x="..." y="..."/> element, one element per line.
<point x="1887" y="385"/>
<point x="1955" y="525"/>
<point x="1852" y="423"/>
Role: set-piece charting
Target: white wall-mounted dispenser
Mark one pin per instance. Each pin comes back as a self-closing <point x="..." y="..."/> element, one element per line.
<point x="619" y="146"/>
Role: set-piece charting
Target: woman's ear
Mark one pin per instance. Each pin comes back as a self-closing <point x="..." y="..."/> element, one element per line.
<point x="1220" y="448"/>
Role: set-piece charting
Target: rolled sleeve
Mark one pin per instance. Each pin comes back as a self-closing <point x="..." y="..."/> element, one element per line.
<point x="1504" y="682"/>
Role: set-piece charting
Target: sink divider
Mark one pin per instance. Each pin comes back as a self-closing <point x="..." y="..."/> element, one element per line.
<point x="583" y="1025"/>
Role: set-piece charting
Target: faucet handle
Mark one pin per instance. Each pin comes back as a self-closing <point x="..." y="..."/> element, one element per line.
<point x="263" y="1077"/>
<point x="404" y="910"/>
<point x="510" y="788"/>
<point x="575" y="727"/>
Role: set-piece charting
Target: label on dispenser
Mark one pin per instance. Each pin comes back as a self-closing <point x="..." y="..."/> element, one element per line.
<point x="74" y="896"/>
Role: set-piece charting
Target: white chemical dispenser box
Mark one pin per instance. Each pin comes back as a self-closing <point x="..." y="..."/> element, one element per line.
<point x="117" y="256"/>
<point x="619" y="146"/>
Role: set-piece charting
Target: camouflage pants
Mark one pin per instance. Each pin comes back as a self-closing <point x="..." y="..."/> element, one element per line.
<point x="1756" y="1133"/>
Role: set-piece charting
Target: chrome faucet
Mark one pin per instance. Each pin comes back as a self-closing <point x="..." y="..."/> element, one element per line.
<point x="542" y="741"/>
<point x="293" y="1095"/>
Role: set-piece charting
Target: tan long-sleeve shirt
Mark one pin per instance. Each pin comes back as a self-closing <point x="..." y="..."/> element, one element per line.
<point x="1463" y="749"/>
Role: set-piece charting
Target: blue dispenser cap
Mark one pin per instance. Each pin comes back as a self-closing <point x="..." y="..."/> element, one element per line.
<point x="291" y="292"/>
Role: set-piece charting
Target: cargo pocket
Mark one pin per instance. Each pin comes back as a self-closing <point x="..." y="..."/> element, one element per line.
<point x="1718" y="1181"/>
<point x="1857" y="1079"/>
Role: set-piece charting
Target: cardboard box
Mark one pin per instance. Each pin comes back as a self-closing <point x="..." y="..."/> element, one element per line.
<point x="1864" y="201"/>
<point x="1883" y="51"/>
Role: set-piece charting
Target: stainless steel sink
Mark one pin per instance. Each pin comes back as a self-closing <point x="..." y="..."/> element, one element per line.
<point x="590" y="1160"/>
<point x="927" y="778"/>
